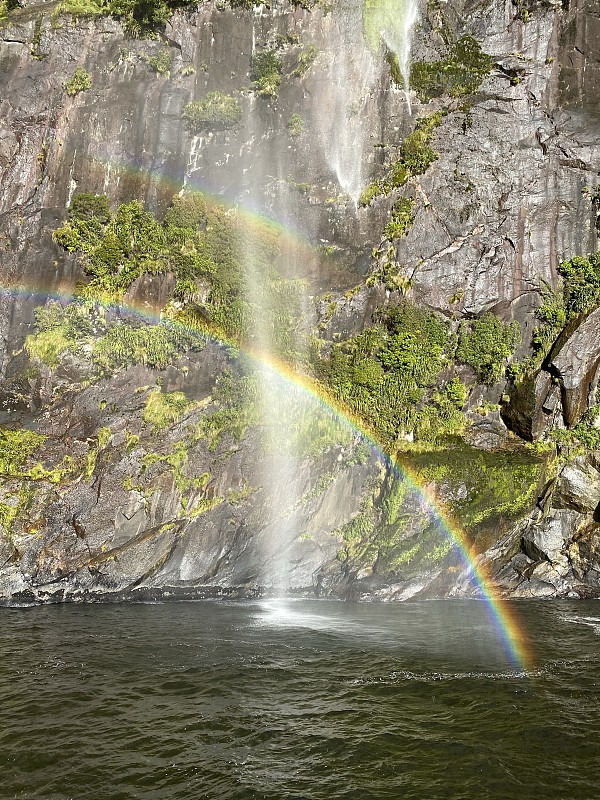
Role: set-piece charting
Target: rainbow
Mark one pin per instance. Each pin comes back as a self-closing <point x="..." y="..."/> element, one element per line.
<point x="500" y="612"/>
<point x="145" y="177"/>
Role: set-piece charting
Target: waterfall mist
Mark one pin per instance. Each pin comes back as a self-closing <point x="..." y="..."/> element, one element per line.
<point x="272" y="290"/>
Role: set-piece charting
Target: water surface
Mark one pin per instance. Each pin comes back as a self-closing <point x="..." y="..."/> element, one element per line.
<point x="313" y="700"/>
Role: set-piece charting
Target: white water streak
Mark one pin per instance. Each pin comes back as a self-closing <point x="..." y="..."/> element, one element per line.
<point x="397" y="38"/>
<point x="344" y="127"/>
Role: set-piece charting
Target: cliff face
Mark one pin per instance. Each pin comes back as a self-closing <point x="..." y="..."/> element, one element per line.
<point x="511" y="194"/>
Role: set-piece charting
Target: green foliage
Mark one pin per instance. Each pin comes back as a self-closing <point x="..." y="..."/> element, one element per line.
<point x="218" y="111"/>
<point x="207" y="248"/>
<point x="295" y="125"/>
<point x="16" y="506"/>
<point x="80" y="81"/>
<point x="582" y="437"/>
<point x="390" y="274"/>
<point x="416" y="155"/>
<point x="176" y="462"/>
<point x="402" y="219"/>
<point x="238" y="408"/>
<point x="579" y="295"/>
<point x="188" y="212"/>
<point x="265" y="72"/>
<point x="237" y="496"/>
<point x="459" y="74"/>
<point x="369" y="193"/>
<point x="164" y="409"/>
<point x="110" y="345"/>
<point x="484" y="487"/>
<point x="394" y="65"/>
<point x="581" y="284"/>
<point x="443" y="416"/>
<point x="80" y="8"/>
<point x="305" y="61"/>
<point x="384" y="373"/>
<point x="245" y="3"/>
<point x="153" y="345"/>
<point x="162" y="62"/>
<point x="142" y="17"/>
<point x="358" y="533"/>
<point x="117" y="248"/>
<point x="58" y="329"/>
<point x="486" y="344"/>
<point x="48" y="346"/>
<point x="522" y="12"/>
<point x="314" y="432"/>
<point x="87" y="206"/>
<point x="6" y="6"/>
<point x="16" y="447"/>
<point x="324" y="481"/>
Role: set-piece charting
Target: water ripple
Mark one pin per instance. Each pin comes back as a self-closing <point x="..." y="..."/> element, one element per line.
<point x="321" y="701"/>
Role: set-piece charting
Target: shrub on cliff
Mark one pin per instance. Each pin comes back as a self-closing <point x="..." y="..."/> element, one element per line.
<point x="581" y="276"/>
<point x="80" y="81"/>
<point x="416" y="155"/>
<point x="6" y="6"/>
<point x="486" y="344"/>
<point x="385" y="374"/>
<point x="458" y="74"/>
<point x="265" y="72"/>
<point x="217" y="111"/>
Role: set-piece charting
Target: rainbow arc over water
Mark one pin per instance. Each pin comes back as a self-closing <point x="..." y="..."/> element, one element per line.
<point x="501" y="613"/>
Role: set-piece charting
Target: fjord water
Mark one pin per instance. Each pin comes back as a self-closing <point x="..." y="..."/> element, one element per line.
<point x="306" y="699"/>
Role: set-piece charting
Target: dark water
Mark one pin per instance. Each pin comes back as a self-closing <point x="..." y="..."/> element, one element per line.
<point x="319" y="701"/>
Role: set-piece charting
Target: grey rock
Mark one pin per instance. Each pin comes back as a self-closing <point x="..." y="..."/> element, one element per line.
<point x="545" y="540"/>
<point x="576" y="364"/>
<point x="495" y="214"/>
<point x="578" y="487"/>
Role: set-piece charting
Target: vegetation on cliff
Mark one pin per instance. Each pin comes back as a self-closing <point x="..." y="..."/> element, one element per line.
<point x="398" y="375"/>
<point x="416" y="155"/>
<point x="216" y="112"/>
<point x="458" y="74"/>
<point x="203" y="246"/>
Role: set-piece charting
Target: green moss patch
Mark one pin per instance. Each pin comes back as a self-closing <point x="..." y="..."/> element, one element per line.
<point x="416" y="155"/>
<point x="458" y="74"/>
<point x="484" y="490"/>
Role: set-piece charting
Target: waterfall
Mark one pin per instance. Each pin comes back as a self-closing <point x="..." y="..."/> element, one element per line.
<point x="391" y="22"/>
<point x="361" y="31"/>
<point x="397" y="38"/>
<point x="352" y="73"/>
<point x="262" y="249"/>
<point x="276" y="471"/>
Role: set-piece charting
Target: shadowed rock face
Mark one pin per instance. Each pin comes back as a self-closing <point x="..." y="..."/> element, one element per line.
<point x="496" y="212"/>
<point x="576" y="365"/>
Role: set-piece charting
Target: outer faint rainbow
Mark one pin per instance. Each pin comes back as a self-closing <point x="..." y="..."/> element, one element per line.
<point x="249" y="215"/>
<point x="503" y="617"/>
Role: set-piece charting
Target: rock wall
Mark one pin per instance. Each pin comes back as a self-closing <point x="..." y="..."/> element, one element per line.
<point x="510" y="196"/>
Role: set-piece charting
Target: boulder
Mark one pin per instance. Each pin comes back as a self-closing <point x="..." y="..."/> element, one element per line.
<point x="578" y="487"/>
<point x="545" y="540"/>
<point x="576" y="365"/>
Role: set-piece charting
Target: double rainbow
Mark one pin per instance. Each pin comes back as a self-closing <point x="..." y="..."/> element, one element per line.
<point x="500" y="612"/>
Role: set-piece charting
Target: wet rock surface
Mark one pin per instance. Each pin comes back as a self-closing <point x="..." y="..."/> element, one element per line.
<point x="497" y="211"/>
<point x="576" y="366"/>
